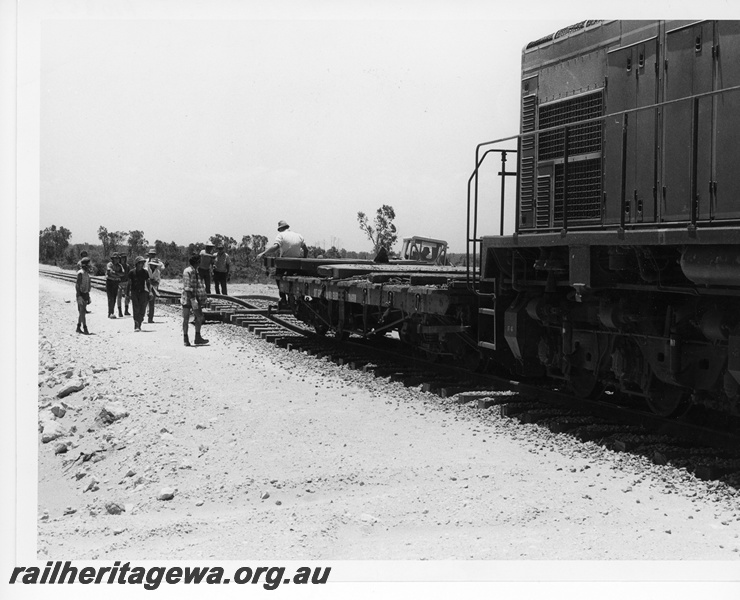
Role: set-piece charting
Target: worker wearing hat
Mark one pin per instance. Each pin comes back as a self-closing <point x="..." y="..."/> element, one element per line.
<point x="205" y="265"/>
<point x="113" y="275"/>
<point x="124" y="289"/>
<point x="82" y="292"/>
<point x="221" y="270"/>
<point x="192" y="299"/>
<point x="154" y="267"/>
<point x="289" y="243"/>
<point x="140" y="289"/>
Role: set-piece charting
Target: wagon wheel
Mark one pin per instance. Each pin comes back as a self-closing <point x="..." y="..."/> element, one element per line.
<point x="667" y="400"/>
<point x="340" y="333"/>
<point x="430" y="355"/>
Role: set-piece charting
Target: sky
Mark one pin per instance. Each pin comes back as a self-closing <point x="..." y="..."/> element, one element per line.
<point x="188" y="127"/>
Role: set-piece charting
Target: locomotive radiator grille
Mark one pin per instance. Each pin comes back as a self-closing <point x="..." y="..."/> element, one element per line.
<point x="582" y="139"/>
<point x="584" y="191"/>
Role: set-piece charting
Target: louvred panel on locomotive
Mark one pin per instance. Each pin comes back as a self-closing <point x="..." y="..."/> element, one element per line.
<point x="644" y="162"/>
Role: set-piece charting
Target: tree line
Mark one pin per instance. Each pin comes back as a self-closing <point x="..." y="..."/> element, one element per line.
<point x="55" y="249"/>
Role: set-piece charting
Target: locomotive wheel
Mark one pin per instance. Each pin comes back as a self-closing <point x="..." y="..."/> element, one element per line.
<point x="475" y="362"/>
<point x="584" y="383"/>
<point x="320" y="328"/>
<point x="667" y="400"/>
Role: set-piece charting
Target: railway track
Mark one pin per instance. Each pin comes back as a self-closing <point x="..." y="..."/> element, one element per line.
<point x="98" y="282"/>
<point x="699" y="443"/>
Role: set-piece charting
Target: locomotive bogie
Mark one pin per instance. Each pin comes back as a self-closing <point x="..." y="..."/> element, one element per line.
<point x="631" y="318"/>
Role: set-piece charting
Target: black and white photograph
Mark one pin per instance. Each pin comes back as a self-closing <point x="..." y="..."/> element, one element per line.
<point x="371" y="299"/>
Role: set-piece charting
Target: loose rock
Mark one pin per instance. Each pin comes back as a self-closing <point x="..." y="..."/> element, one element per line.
<point x="72" y="387"/>
<point x="52" y="431"/>
<point x="58" y="410"/>
<point x="166" y="493"/>
<point x="114" y="508"/>
<point x="111" y="412"/>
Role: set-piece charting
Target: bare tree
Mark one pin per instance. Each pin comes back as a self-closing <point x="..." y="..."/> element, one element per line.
<point x="382" y="232"/>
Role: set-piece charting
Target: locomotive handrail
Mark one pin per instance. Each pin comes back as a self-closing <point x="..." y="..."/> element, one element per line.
<point x="554" y="128"/>
<point x="474" y="239"/>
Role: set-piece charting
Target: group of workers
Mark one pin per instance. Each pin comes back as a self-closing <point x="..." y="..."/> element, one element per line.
<point x="140" y="285"/>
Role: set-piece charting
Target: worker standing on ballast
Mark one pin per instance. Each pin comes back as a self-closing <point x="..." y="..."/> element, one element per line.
<point x="154" y="267"/>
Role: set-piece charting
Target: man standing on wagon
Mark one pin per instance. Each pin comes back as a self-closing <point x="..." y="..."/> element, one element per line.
<point x="288" y="244"/>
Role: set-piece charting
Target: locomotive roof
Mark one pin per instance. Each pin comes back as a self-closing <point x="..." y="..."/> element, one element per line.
<point x="577" y="27"/>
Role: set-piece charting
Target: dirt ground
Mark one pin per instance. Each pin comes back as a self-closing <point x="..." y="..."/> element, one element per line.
<point x="270" y="454"/>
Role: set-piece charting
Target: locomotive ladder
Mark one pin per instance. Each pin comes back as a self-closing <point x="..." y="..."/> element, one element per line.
<point x="474" y="262"/>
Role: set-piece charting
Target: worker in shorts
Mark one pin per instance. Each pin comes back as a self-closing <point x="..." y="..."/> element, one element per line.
<point x="192" y="299"/>
<point x="83" y="254"/>
<point x="82" y="292"/>
<point x="124" y="290"/>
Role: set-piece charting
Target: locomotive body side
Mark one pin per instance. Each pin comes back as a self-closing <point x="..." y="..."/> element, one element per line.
<point x="624" y="268"/>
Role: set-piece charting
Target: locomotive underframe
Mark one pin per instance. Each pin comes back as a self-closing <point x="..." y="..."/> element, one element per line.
<point x="436" y="319"/>
<point x="653" y="320"/>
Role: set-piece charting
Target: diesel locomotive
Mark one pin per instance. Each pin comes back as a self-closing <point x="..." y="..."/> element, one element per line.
<point x="620" y="273"/>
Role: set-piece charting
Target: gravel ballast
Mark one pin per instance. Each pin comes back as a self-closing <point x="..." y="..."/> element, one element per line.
<point x="243" y="449"/>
